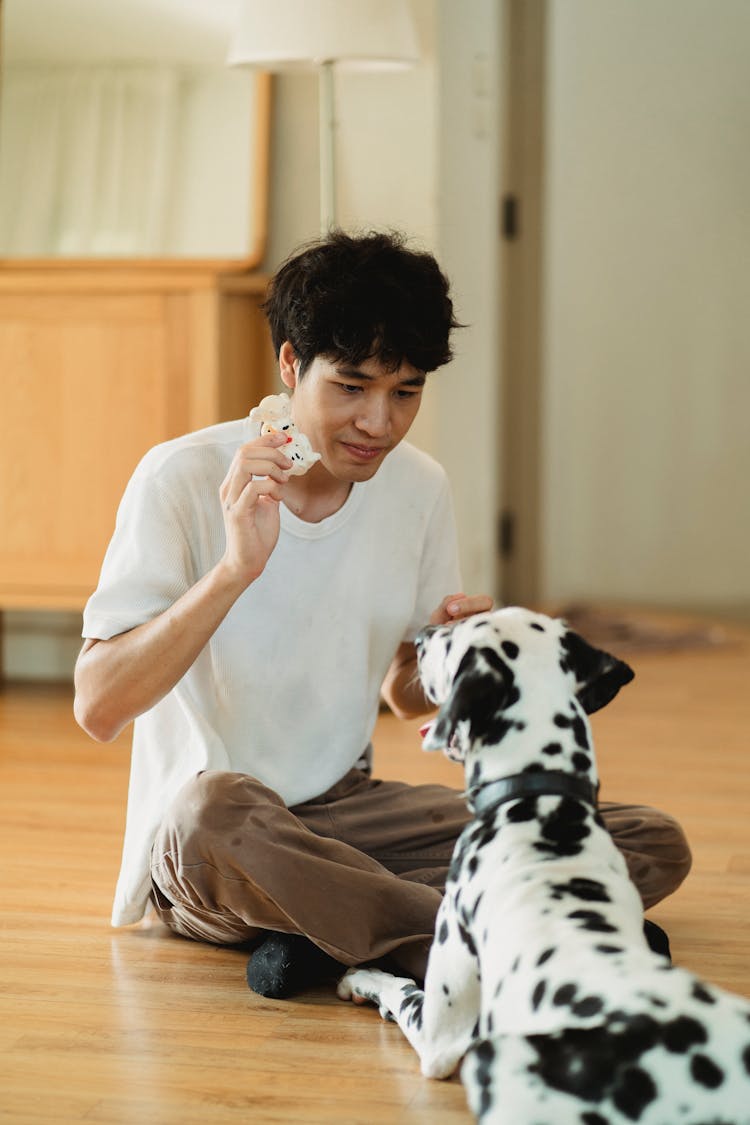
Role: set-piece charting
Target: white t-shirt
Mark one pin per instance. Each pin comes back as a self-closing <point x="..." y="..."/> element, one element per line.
<point x="287" y="689"/>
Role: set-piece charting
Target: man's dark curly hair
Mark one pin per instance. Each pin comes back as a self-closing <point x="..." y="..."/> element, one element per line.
<point x="355" y="298"/>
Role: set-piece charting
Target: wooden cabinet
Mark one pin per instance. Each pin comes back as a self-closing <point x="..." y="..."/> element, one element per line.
<point x="96" y="366"/>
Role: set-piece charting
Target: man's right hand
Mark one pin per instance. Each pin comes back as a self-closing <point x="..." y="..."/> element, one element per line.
<point x="250" y="496"/>
<point x="120" y="678"/>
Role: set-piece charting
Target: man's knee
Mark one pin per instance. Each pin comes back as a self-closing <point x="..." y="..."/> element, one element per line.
<point x="673" y="854"/>
<point x="654" y="846"/>
<point x="665" y="858"/>
<point x="216" y="803"/>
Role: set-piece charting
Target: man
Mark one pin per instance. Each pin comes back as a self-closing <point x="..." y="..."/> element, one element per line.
<point x="248" y="621"/>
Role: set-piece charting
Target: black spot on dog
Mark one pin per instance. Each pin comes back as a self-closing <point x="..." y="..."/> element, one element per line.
<point x="579" y="732"/>
<point x="635" y="1091"/>
<point x="510" y="649"/>
<point x="706" y="1072"/>
<point x="514" y="966"/>
<point x="592" y="920"/>
<point x="533" y="767"/>
<point x="552" y="748"/>
<point x="581" y="762"/>
<point x="564" y="828"/>
<point x="475" y="777"/>
<point x="657" y="1001"/>
<point x="539" y="628"/>
<point x="592" y="1118"/>
<point x="491" y="729"/>
<point x="746" y="1059"/>
<point x="700" y="992"/>
<point x="467" y="939"/>
<point x="589" y="1006"/>
<point x="483" y="1054"/>
<point x="682" y="1033"/>
<point x="411" y="1005"/>
<point x="563" y="721"/>
<point x="564" y="995"/>
<point x="486" y="834"/>
<point x="443" y="932"/>
<point x="538" y="994"/>
<point x="589" y="890"/>
<point x="608" y="949"/>
<point x="545" y="956"/>
<point x="523" y="809"/>
<point x="600" y="1062"/>
<point x="475" y="907"/>
<point x="491" y="657"/>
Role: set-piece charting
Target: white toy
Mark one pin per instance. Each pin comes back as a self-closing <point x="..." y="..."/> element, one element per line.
<point x="274" y="412"/>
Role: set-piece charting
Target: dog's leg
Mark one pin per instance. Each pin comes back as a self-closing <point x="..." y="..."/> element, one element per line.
<point x="439" y="1021"/>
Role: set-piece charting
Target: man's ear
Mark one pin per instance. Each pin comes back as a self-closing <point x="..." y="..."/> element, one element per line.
<point x="288" y="365"/>
<point x="479" y="692"/>
<point x="599" y="674"/>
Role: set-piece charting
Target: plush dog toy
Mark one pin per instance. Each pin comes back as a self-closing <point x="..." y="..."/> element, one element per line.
<point x="274" y="413"/>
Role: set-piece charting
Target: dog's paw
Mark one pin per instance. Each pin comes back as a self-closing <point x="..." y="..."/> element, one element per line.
<point x="345" y="989"/>
<point x="365" y="985"/>
<point x="441" y="1066"/>
<point x="358" y="984"/>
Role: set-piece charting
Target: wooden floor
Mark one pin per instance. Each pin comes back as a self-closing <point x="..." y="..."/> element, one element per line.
<point x="134" y="1025"/>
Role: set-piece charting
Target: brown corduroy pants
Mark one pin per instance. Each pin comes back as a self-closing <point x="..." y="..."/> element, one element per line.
<point x="359" y="870"/>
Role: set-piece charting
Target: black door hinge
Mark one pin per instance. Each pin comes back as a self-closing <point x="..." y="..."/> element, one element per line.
<point x="507" y="534"/>
<point x="511" y="217"/>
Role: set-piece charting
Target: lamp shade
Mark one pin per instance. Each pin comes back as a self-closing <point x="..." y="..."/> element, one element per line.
<point x="353" y="34"/>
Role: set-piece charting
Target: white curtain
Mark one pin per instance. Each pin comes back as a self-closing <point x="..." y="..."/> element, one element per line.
<point x="87" y="157"/>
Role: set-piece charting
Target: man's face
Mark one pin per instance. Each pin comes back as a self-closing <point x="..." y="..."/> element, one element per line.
<point x="353" y="416"/>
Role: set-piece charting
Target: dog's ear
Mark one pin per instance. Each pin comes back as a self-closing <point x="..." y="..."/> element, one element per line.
<point x="481" y="689"/>
<point x="599" y="674"/>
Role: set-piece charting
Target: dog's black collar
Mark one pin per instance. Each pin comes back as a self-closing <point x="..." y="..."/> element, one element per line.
<point x="540" y="783"/>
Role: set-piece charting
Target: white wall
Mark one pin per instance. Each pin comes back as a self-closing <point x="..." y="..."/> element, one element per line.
<point x="467" y="430"/>
<point x="647" y="291"/>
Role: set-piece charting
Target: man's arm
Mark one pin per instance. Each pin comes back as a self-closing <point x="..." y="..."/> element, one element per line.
<point x="401" y="689"/>
<point x="118" y="679"/>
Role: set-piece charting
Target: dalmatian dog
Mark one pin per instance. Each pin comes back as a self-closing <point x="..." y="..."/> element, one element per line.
<point x="274" y="412"/>
<point x="539" y="975"/>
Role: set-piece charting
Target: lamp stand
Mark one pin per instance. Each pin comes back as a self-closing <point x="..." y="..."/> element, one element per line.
<point x="327" y="126"/>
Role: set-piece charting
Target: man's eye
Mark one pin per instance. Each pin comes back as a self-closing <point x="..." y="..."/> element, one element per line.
<point x="350" y="388"/>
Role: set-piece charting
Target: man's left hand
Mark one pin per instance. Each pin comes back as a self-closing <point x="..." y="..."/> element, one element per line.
<point x="455" y="607"/>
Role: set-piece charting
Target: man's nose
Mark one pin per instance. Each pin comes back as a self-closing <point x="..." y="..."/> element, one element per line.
<point x="374" y="418"/>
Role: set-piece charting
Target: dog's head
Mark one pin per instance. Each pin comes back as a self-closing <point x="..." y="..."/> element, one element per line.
<point x="477" y="670"/>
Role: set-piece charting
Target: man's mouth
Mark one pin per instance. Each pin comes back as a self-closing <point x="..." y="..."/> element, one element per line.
<point x="363" y="452"/>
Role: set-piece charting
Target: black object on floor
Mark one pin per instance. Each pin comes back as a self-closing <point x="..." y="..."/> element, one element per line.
<point x="285" y="964"/>
<point x="657" y="939"/>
